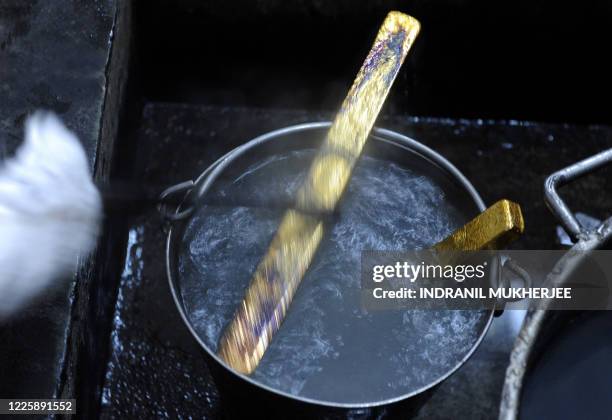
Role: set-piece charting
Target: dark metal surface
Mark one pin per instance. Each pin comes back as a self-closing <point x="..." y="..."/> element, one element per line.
<point x="157" y="369"/>
<point x="573" y="360"/>
<point x="533" y="329"/>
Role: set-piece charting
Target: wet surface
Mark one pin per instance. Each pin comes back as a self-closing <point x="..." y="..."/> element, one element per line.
<point x="53" y="55"/>
<point x="156" y="367"/>
<point x="317" y="353"/>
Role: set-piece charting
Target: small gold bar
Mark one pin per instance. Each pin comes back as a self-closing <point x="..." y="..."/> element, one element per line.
<point x="494" y="228"/>
<point x="278" y="275"/>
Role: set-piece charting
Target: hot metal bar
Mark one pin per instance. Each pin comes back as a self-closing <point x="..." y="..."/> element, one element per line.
<point x="278" y="275"/>
<point x="494" y="228"/>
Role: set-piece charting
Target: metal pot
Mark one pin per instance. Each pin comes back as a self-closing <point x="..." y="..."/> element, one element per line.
<point x="236" y="388"/>
<point x="539" y="325"/>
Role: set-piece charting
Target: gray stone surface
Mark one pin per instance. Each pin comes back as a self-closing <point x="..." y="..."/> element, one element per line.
<point x="53" y="55"/>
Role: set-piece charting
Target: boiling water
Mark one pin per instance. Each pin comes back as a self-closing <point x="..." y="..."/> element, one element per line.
<point x="328" y="347"/>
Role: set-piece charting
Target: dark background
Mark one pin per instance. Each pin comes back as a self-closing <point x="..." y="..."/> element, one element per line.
<point x="522" y="59"/>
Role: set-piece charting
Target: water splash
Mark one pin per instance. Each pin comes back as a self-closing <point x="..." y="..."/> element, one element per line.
<point x="328" y="347"/>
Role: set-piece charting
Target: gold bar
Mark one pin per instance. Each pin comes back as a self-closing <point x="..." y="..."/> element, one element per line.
<point x="278" y="275"/>
<point x="494" y="228"/>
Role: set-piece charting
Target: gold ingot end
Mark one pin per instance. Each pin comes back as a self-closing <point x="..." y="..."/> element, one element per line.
<point x="398" y="21"/>
<point x="494" y="228"/>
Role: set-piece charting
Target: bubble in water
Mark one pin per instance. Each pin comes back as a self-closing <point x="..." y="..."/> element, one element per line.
<point x="328" y="347"/>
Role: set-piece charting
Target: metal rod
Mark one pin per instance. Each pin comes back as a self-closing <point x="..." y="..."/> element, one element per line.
<point x="562" y="177"/>
<point x="278" y="275"/>
<point x="534" y="322"/>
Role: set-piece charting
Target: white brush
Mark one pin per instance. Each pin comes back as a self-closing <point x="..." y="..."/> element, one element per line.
<point x="50" y="211"/>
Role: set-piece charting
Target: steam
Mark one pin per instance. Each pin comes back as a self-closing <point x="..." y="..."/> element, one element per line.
<point x="50" y="211"/>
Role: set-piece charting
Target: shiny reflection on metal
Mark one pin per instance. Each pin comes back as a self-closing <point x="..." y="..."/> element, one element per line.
<point x="494" y="228"/>
<point x="278" y="275"/>
<point x="588" y="240"/>
<point x="204" y="183"/>
<point x="178" y="189"/>
<point x="562" y="177"/>
<point x="512" y="266"/>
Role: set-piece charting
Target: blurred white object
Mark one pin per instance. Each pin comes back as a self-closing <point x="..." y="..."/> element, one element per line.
<point x="50" y="211"/>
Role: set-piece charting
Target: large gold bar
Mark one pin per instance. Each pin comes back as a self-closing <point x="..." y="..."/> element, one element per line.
<point x="278" y="275"/>
<point x="494" y="228"/>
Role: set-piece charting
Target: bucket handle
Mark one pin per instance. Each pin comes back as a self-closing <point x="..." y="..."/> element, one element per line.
<point x="564" y="176"/>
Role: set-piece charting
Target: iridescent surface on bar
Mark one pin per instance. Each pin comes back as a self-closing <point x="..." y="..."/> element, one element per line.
<point x="291" y="251"/>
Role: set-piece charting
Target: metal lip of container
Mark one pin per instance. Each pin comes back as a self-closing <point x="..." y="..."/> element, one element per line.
<point x="206" y="179"/>
<point x="542" y="324"/>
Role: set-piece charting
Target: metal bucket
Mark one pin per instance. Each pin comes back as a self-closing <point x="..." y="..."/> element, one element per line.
<point x="540" y="325"/>
<point x="247" y="395"/>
